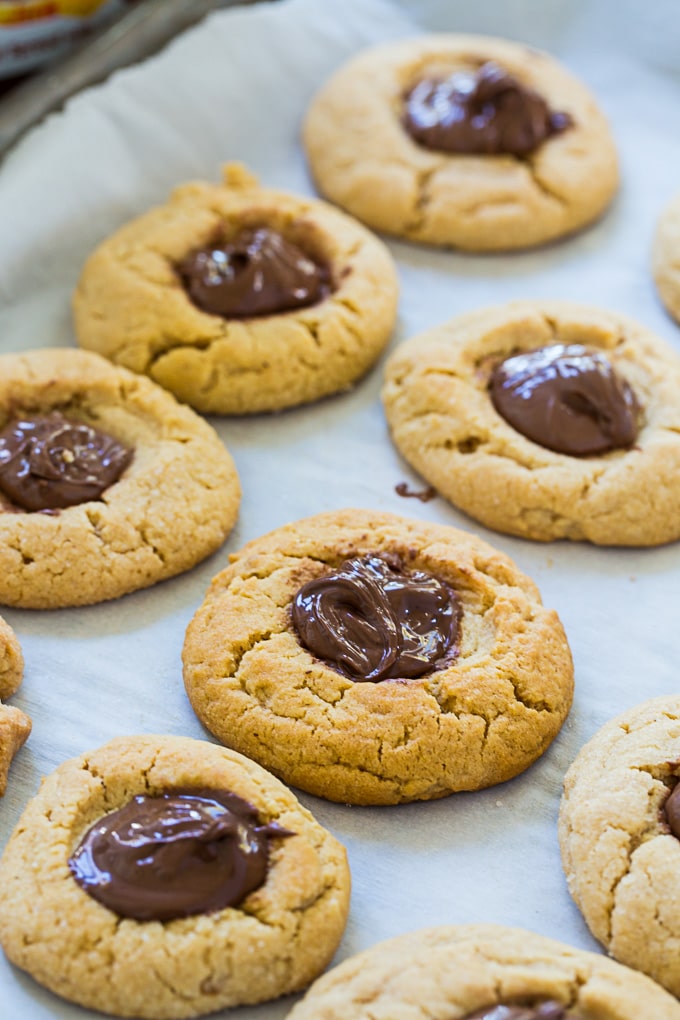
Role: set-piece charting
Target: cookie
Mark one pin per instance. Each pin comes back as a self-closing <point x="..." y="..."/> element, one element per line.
<point x="598" y="457"/>
<point x="666" y="257"/>
<point x="620" y="837"/>
<point x="238" y="298"/>
<point x="11" y="661"/>
<point x="461" y="140"/>
<point x="15" y="725"/>
<point x="372" y="659"/>
<point x="482" y="972"/>
<point x="15" y="728"/>
<point x="107" y="484"/>
<point x="243" y="897"/>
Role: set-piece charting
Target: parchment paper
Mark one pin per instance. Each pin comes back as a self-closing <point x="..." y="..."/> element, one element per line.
<point x="236" y="88"/>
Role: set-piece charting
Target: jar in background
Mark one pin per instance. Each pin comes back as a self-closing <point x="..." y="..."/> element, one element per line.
<point x="34" y="32"/>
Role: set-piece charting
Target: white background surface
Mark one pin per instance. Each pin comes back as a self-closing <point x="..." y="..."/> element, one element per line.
<point x="237" y="88"/>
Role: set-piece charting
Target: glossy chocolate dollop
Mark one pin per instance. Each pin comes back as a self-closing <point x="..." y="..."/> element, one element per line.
<point x="483" y="112"/>
<point x="49" y="462"/>
<point x="181" y="853"/>
<point x="672" y="811"/>
<point x="566" y="398"/>
<point x="544" y="1011"/>
<point x="259" y="272"/>
<point x="373" y="620"/>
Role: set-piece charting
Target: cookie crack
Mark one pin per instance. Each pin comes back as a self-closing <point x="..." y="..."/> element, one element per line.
<point x="240" y="654"/>
<point x="661" y="773"/>
<point x="95" y="522"/>
<point x="26" y="557"/>
<point x="540" y="182"/>
<point x="257" y="912"/>
<point x="345" y="302"/>
<point x="553" y="517"/>
<point x="143" y="530"/>
<point x="551" y="322"/>
<point x="488" y="445"/>
<point x="635" y="841"/>
<point x="311" y="327"/>
<point x="263" y="573"/>
<point x="592" y="482"/>
<point x="165" y="983"/>
<point x="447" y="707"/>
<point x="423" y="198"/>
<point x="91" y="768"/>
<point x="145" y="771"/>
<point x="355" y="332"/>
<point x="173" y="343"/>
<point x="578" y="982"/>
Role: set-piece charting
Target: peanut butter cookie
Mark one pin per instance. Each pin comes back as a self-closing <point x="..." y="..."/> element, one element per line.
<point x="164" y="877"/>
<point x="240" y="299"/>
<point x="372" y="659"/>
<point x="546" y="420"/>
<point x="482" y="972"/>
<point x="620" y="837"/>
<point x="11" y="661"/>
<point x="666" y="257"/>
<point x="107" y="484"/>
<point x="462" y="140"/>
<point x="15" y="725"/>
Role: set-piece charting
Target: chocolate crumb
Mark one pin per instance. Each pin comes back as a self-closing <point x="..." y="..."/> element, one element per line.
<point x="424" y="495"/>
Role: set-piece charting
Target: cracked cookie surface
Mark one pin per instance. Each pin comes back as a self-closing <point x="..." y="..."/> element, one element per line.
<point x="15" y="725"/>
<point x="444" y="423"/>
<point x="478" y="721"/>
<point x="173" y="505"/>
<point x="620" y="857"/>
<point x="362" y="158"/>
<point x="449" y="972"/>
<point x="131" y="306"/>
<point x="274" y="942"/>
<point x="666" y="257"/>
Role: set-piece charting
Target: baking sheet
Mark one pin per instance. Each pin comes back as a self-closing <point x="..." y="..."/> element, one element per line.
<point x="236" y="88"/>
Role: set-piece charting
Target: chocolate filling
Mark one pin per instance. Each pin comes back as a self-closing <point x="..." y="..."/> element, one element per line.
<point x="49" y="462"/>
<point x="176" y="854"/>
<point x="371" y="619"/>
<point x="484" y="112"/>
<point x="566" y="398"/>
<point x="259" y="272"/>
<point x="544" y="1011"/>
<point x="672" y="811"/>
